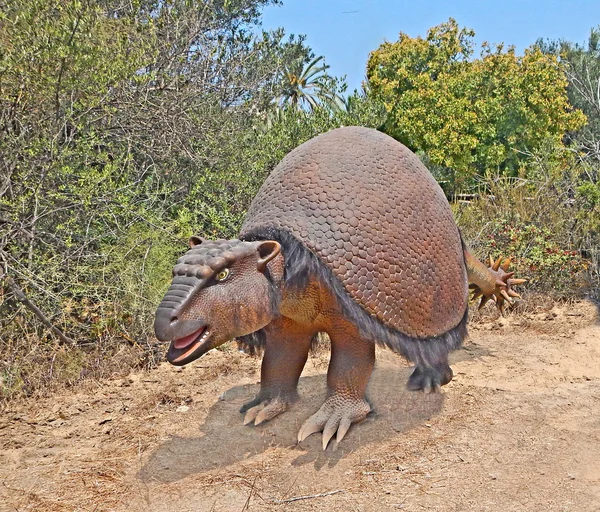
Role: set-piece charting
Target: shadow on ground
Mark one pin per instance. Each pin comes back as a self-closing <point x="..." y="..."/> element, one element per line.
<point x="226" y="441"/>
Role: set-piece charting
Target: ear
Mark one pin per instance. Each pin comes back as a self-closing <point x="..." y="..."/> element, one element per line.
<point x="195" y="240"/>
<point x="267" y="250"/>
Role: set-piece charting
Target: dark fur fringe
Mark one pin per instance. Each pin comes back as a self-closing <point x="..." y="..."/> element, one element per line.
<point x="300" y="264"/>
<point x="253" y="344"/>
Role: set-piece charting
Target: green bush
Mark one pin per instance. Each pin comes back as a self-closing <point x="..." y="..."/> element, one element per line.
<point x="126" y="127"/>
<point x="552" y="237"/>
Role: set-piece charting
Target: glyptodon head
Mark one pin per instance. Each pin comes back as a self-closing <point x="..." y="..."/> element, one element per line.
<point x="221" y="290"/>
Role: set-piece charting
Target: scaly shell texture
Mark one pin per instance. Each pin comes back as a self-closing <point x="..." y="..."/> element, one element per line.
<point x="371" y="211"/>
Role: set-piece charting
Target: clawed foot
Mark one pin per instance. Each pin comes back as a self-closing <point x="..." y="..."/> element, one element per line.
<point x="260" y="410"/>
<point x="429" y="379"/>
<point x="335" y="415"/>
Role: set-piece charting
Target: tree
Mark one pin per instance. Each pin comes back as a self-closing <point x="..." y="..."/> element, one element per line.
<point x="582" y="67"/>
<point x="305" y="84"/>
<point x="471" y="115"/>
<point x="581" y="64"/>
<point x="121" y="129"/>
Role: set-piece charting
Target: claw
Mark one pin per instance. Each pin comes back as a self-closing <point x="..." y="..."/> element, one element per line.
<point x="343" y="428"/>
<point x="251" y="414"/>
<point x="329" y="431"/>
<point x="262" y="416"/>
<point x="335" y="415"/>
<point x="266" y="410"/>
<point x="309" y="428"/>
<point x="506" y="296"/>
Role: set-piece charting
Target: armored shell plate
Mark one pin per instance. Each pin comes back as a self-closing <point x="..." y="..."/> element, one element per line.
<point x="371" y="211"/>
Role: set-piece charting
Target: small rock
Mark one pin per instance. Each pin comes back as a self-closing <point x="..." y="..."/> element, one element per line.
<point x="182" y="408"/>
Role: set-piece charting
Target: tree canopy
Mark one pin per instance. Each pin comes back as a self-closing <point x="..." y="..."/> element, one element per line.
<point x="581" y="63"/>
<point x="472" y="115"/>
<point x="307" y="84"/>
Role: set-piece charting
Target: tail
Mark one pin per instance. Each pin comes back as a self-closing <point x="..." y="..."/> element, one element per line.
<point x="494" y="282"/>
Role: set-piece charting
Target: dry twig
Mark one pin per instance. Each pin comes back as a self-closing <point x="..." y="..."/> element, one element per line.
<point x="20" y="295"/>
<point x="307" y="497"/>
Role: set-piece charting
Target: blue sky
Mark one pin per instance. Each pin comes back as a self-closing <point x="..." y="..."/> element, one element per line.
<point x="345" y="31"/>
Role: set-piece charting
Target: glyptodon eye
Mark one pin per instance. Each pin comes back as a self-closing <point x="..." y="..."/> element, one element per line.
<point x="222" y="275"/>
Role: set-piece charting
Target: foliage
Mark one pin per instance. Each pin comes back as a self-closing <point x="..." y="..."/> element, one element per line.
<point x="109" y="112"/>
<point x="471" y="115"/>
<point x="551" y="233"/>
<point x="582" y="67"/>
<point x="126" y="127"/>
<point x="306" y="85"/>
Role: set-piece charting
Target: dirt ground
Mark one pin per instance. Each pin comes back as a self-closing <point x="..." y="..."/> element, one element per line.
<point x="517" y="429"/>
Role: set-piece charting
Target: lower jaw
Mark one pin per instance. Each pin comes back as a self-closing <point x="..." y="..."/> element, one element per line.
<point x="181" y="356"/>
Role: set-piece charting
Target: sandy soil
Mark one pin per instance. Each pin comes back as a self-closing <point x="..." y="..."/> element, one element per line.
<point x="517" y="429"/>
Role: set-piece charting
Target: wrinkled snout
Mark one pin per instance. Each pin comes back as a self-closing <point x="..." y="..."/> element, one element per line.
<point x="168" y="327"/>
<point x="167" y="324"/>
<point x="189" y="337"/>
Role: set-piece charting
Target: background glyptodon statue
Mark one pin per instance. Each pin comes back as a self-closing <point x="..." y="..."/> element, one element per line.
<point x="349" y="235"/>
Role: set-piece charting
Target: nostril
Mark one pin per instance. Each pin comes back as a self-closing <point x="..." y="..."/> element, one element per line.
<point x="174" y="319"/>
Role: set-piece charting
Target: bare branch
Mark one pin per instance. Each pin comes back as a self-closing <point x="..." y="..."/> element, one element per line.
<point x="20" y="295"/>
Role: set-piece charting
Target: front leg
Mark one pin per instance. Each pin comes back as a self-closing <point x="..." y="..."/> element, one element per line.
<point x="351" y="365"/>
<point x="286" y="351"/>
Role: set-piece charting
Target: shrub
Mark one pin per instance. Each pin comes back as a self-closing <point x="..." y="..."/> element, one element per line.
<point x="550" y="231"/>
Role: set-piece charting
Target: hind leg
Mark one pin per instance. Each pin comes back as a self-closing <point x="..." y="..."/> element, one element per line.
<point x="429" y="378"/>
<point x="432" y="370"/>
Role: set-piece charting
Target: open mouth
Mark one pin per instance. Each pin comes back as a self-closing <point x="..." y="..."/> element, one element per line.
<point x="188" y="348"/>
